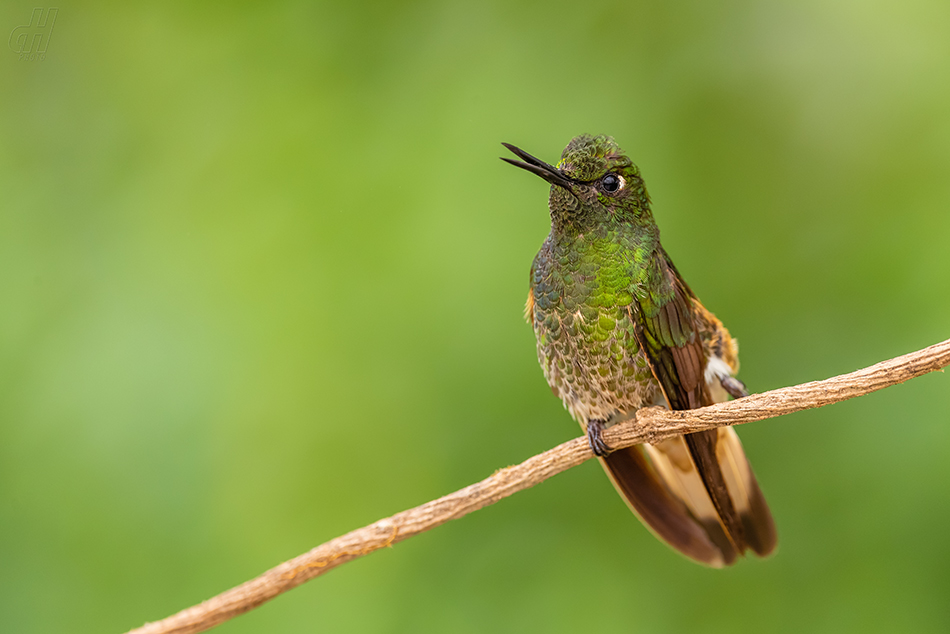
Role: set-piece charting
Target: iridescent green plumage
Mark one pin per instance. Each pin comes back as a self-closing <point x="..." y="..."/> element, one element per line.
<point x="618" y="329"/>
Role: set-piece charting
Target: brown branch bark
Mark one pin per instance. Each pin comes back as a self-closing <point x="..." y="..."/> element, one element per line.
<point x="650" y="425"/>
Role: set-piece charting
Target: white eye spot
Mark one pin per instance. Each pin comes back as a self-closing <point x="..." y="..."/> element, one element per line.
<point x="612" y="183"/>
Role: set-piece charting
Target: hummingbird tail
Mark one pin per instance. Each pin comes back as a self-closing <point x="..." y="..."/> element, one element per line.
<point x="757" y="523"/>
<point x="676" y="466"/>
<point x="666" y="515"/>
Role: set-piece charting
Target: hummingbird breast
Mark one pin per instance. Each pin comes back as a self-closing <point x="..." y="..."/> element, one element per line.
<point x="580" y="308"/>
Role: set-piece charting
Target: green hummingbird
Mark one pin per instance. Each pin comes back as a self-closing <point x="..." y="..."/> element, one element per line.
<point x="618" y="329"/>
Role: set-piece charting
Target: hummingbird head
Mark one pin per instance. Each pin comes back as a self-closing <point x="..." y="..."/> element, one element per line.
<point x="594" y="182"/>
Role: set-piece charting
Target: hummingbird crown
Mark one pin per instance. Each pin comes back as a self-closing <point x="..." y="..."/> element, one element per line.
<point x="601" y="173"/>
<point x="587" y="158"/>
<point x="606" y="186"/>
<point x="595" y="183"/>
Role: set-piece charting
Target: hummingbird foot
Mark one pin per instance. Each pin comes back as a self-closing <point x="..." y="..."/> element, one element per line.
<point x="595" y="436"/>
<point x="733" y="386"/>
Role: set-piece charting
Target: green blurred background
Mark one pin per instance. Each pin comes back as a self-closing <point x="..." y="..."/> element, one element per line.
<point x="262" y="278"/>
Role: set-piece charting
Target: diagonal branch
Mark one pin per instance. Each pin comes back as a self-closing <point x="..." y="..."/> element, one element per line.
<point x="650" y="425"/>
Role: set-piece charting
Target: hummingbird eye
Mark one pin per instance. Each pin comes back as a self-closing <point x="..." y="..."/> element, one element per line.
<point x="612" y="183"/>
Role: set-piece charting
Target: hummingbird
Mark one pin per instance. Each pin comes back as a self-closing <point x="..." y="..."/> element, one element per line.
<point x="617" y="329"/>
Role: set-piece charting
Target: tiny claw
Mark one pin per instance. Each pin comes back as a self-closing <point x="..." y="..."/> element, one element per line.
<point x="595" y="436"/>
<point x="733" y="386"/>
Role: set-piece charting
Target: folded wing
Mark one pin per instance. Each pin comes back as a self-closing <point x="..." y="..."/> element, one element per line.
<point x="697" y="492"/>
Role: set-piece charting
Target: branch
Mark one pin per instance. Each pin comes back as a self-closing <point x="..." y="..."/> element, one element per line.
<point x="650" y="425"/>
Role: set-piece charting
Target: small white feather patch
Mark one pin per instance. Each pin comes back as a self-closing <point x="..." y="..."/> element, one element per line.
<point x="716" y="369"/>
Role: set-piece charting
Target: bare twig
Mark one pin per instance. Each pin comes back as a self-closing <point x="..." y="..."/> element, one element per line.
<point x="650" y="425"/>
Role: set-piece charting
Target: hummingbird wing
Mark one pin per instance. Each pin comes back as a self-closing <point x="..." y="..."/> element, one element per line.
<point x="667" y="328"/>
<point x="757" y="522"/>
<point x="743" y="487"/>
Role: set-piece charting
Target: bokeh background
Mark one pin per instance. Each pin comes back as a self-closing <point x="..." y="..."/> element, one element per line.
<point x="262" y="278"/>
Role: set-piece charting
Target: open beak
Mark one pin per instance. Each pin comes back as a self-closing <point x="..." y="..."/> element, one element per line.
<point x="536" y="166"/>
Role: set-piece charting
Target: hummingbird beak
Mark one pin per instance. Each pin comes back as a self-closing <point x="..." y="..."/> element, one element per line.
<point x="536" y="166"/>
